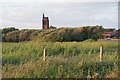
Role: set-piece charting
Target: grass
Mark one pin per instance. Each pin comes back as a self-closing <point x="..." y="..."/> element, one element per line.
<point x="64" y="60"/>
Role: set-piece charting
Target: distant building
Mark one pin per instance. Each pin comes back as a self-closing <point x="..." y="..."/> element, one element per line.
<point x="112" y="34"/>
<point x="108" y="34"/>
<point x="116" y="34"/>
<point x="45" y="22"/>
<point x="52" y="27"/>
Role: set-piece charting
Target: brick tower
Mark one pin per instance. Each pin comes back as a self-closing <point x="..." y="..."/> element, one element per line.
<point x="45" y="22"/>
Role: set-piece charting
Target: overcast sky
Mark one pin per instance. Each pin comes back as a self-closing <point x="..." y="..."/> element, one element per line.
<point x="61" y="13"/>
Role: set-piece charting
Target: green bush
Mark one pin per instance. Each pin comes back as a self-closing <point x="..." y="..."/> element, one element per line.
<point x="89" y="40"/>
<point x="52" y="35"/>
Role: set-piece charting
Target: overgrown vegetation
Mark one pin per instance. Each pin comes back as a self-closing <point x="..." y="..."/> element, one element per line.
<point x="52" y="35"/>
<point x="64" y="60"/>
<point x="71" y="53"/>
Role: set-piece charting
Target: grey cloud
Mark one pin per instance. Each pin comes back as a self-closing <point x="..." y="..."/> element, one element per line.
<point x="60" y="14"/>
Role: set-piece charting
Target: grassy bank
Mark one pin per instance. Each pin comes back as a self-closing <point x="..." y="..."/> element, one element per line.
<point x="66" y="59"/>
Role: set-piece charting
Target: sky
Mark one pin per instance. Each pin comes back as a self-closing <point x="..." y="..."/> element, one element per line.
<point x="27" y="14"/>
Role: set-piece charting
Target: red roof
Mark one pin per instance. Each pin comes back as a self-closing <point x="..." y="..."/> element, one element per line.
<point x="108" y="34"/>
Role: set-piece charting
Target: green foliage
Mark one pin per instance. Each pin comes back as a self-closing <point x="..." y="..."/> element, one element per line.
<point x="6" y="30"/>
<point x="12" y="36"/>
<point x="73" y="34"/>
<point x="89" y="40"/>
<point x="53" y="35"/>
<point x="64" y="60"/>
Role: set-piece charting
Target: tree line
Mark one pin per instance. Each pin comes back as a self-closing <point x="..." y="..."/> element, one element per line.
<point x="12" y="34"/>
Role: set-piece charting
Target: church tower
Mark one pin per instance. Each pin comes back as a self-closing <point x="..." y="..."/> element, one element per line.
<point x="45" y="22"/>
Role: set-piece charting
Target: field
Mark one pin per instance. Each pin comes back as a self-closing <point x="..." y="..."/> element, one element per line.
<point x="63" y="60"/>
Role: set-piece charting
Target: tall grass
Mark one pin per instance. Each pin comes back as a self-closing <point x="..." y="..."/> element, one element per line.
<point x="14" y="53"/>
<point x="66" y="59"/>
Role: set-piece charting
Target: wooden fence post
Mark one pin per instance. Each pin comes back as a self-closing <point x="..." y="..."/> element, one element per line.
<point x="44" y="55"/>
<point x="101" y="53"/>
